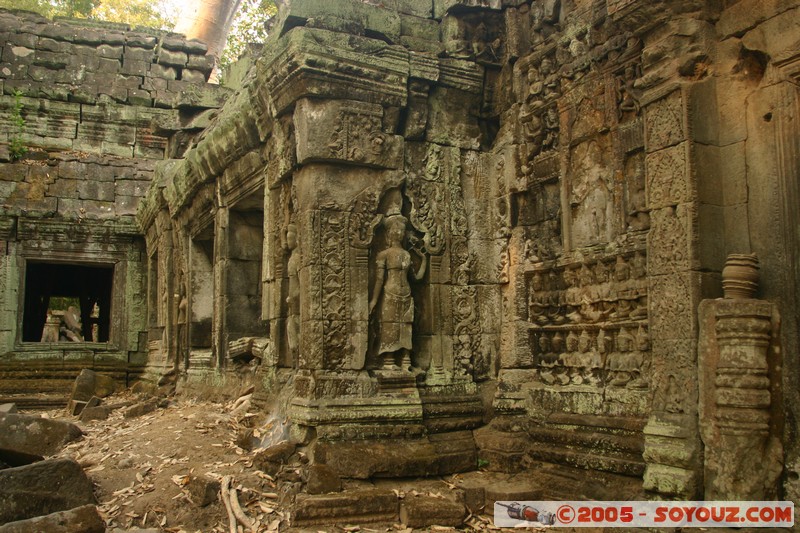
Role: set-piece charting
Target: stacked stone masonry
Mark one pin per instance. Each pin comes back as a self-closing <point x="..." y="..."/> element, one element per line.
<point x="87" y="110"/>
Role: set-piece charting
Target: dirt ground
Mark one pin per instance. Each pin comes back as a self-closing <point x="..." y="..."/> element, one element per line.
<point x="141" y="466"/>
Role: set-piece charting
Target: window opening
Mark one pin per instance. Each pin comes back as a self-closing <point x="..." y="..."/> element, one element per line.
<point x="67" y="303"/>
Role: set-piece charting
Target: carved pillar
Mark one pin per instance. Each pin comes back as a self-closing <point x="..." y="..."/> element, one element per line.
<point x="739" y="370"/>
<point x="219" y="337"/>
<point x="672" y="448"/>
<point x="165" y="284"/>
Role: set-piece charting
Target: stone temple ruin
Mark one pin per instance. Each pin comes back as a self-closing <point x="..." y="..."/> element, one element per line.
<point x="437" y="233"/>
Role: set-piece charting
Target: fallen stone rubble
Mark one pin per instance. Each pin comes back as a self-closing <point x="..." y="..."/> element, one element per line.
<point x="157" y="463"/>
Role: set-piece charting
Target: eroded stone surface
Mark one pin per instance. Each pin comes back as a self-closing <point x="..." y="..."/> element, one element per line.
<point x="83" y="519"/>
<point x="35" y="435"/>
<point x="42" y="488"/>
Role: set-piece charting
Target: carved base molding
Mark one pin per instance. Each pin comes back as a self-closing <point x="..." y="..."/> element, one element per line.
<point x="603" y="443"/>
<point x="672" y="451"/>
<point x="434" y="455"/>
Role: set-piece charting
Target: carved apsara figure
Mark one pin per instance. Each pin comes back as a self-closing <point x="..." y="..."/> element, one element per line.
<point x="395" y="314"/>
<point x="628" y="94"/>
<point x="293" y="297"/>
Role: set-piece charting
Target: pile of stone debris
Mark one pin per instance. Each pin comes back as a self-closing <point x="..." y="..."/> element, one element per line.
<point x="143" y="460"/>
<point x="40" y="491"/>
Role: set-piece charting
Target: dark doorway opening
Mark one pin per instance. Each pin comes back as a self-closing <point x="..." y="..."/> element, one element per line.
<point x="84" y="293"/>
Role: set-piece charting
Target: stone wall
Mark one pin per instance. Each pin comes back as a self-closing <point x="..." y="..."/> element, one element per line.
<point x="87" y="109"/>
<point x="572" y="176"/>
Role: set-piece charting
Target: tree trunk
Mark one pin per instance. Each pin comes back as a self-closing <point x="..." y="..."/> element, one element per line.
<point x="210" y="22"/>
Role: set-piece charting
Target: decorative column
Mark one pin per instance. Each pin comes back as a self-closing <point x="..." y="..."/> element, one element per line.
<point x="739" y="377"/>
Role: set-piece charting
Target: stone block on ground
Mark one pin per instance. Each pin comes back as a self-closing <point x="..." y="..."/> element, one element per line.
<point x="511" y="490"/>
<point x="425" y="511"/>
<point x="84" y="519"/>
<point x="98" y="412"/>
<point x="42" y="488"/>
<point x="474" y="486"/>
<point x="8" y="408"/>
<point x="247" y="440"/>
<point x="76" y="407"/>
<point x="277" y="453"/>
<point x="34" y="435"/>
<point x="203" y="490"/>
<point x="359" y="506"/>
<point x="89" y="383"/>
<point x="141" y="408"/>
<point x="322" y="479"/>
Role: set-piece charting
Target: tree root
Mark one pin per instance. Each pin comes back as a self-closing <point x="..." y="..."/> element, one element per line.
<point x="235" y="512"/>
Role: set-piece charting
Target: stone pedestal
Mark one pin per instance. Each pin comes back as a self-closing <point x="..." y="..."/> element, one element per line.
<point x="739" y="377"/>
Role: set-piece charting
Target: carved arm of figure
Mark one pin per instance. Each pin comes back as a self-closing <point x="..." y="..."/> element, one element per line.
<point x="379" y="277"/>
<point x="418" y="275"/>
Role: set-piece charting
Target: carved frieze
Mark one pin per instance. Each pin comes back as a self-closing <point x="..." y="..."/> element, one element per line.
<point x="345" y="131"/>
<point x="475" y="36"/>
<point x="673" y="372"/>
<point x="364" y="218"/>
<point x="466" y="329"/>
<point x="668" y="177"/>
<point x="665" y="122"/>
<point x="591" y="196"/>
<point x="637" y="213"/>
<point x="280" y="151"/>
<point x="589" y="323"/>
<point x="335" y="286"/>
<point x="671" y="315"/>
<point x="670" y="232"/>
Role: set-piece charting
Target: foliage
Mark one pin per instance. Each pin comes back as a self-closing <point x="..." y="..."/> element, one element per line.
<point x="151" y="13"/>
<point x="134" y="12"/>
<point x="17" y="147"/>
<point x="62" y="303"/>
<point x="53" y="8"/>
<point x="249" y="26"/>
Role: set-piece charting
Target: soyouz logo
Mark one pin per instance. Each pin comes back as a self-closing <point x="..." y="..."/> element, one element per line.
<point x="644" y="514"/>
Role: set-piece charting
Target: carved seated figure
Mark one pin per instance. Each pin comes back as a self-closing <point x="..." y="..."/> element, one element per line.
<point x="638" y="216"/>
<point x="640" y="309"/>
<point x="587" y="360"/>
<point x="547" y="360"/>
<point x="628" y="93"/>
<point x="538" y="300"/>
<point x="533" y="132"/>
<point x="552" y="127"/>
<point x="622" y="363"/>
<point x="559" y="370"/>
<point x="481" y="47"/>
<point x="640" y="354"/>
<point x="71" y="326"/>
<point x="571" y="361"/>
<point x="555" y="311"/>
<point x="604" y="346"/>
